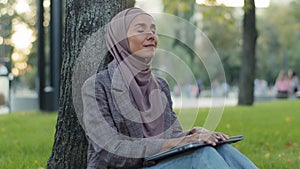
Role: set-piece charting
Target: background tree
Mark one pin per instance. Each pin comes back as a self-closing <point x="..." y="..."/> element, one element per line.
<point x="247" y="73"/>
<point x="295" y="50"/>
<point x="183" y="10"/>
<point x="277" y="45"/>
<point x="225" y="40"/>
<point x="83" y="18"/>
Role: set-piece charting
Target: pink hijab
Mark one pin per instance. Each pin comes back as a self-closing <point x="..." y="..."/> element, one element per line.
<point x="136" y="74"/>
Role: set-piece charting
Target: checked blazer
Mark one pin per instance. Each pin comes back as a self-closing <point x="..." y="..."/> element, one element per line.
<point x="113" y="125"/>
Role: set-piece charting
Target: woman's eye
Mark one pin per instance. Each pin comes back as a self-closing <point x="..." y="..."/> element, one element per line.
<point x="140" y="31"/>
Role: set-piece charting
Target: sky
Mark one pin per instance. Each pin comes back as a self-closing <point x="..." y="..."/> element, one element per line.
<point x="156" y="5"/>
<point x="240" y="3"/>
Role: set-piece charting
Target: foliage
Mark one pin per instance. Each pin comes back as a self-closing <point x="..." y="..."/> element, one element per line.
<point x="278" y="44"/>
<point x="183" y="9"/>
<point x="6" y="17"/>
<point x="226" y="40"/>
<point x="14" y="14"/>
<point x="186" y="11"/>
<point x="184" y="42"/>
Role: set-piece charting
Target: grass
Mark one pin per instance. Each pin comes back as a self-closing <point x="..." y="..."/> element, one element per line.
<point x="271" y="131"/>
<point x="26" y="140"/>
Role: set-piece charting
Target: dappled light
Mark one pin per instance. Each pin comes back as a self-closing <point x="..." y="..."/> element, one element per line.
<point x="19" y="24"/>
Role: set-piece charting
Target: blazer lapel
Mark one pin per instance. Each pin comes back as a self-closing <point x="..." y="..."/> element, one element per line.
<point x="122" y="101"/>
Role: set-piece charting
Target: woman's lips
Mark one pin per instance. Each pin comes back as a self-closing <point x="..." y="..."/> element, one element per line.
<point x="149" y="46"/>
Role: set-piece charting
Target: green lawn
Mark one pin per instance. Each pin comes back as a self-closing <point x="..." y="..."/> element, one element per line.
<point x="26" y="140"/>
<point x="271" y="131"/>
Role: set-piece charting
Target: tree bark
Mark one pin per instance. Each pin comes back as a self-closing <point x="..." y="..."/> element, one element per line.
<point x="247" y="74"/>
<point x="83" y="19"/>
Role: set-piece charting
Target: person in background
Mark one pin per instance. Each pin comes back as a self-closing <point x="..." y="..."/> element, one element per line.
<point x="282" y="85"/>
<point x="199" y="88"/>
<point x="294" y="81"/>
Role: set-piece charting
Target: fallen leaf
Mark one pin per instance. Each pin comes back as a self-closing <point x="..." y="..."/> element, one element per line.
<point x="228" y="126"/>
<point x="288" y="144"/>
<point x="267" y="155"/>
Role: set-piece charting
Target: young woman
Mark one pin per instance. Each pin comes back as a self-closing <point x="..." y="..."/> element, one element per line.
<point x="283" y="85"/>
<point x="128" y="111"/>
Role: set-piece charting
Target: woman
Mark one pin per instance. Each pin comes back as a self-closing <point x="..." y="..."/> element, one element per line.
<point x="128" y="112"/>
<point x="282" y="85"/>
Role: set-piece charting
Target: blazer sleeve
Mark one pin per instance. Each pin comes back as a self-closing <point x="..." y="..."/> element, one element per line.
<point x="115" y="149"/>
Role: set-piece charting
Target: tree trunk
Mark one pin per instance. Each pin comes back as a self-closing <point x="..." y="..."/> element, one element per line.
<point x="247" y="74"/>
<point x="83" y="19"/>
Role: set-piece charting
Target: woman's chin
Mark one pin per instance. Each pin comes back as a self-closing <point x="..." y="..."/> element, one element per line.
<point x="146" y="55"/>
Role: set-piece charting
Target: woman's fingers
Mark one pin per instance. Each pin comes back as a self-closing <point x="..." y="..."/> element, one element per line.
<point x="221" y="136"/>
<point x="213" y="137"/>
<point x="201" y="130"/>
<point x="207" y="136"/>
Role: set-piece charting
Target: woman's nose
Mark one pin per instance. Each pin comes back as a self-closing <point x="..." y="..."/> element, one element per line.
<point x="150" y="35"/>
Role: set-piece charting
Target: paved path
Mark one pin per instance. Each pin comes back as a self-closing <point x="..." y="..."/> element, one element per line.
<point x="31" y="103"/>
<point x="21" y="104"/>
<point x="26" y="103"/>
<point x="203" y="102"/>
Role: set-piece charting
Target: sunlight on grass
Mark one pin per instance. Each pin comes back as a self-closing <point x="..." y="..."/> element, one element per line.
<point x="271" y="131"/>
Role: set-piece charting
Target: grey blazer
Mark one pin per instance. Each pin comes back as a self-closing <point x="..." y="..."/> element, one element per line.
<point x="113" y="124"/>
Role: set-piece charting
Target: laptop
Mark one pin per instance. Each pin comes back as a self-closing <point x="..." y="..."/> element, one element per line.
<point x="186" y="147"/>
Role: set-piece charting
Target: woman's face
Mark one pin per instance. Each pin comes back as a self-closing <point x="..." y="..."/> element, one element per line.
<point x="142" y="37"/>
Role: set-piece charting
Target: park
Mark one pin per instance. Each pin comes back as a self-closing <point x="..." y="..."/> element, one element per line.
<point x="229" y="67"/>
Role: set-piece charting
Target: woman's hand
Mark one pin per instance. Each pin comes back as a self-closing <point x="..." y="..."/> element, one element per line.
<point x="176" y="142"/>
<point x="208" y="136"/>
<point x="197" y="134"/>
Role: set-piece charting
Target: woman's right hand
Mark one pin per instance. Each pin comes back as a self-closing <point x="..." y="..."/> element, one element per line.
<point x="207" y="136"/>
<point x="176" y="142"/>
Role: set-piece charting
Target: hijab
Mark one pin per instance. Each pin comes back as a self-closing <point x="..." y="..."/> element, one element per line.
<point x="136" y="73"/>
